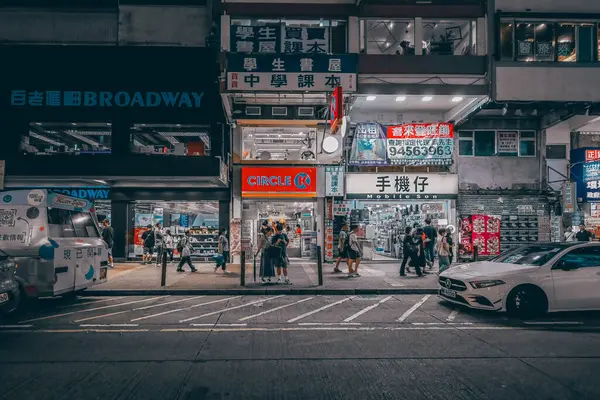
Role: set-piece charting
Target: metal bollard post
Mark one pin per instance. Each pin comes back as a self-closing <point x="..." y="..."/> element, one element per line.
<point x="475" y="253"/>
<point x="163" y="276"/>
<point x="320" y="265"/>
<point x="243" y="269"/>
<point x="254" y="268"/>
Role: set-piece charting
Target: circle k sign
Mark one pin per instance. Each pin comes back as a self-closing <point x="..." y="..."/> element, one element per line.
<point x="279" y="182"/>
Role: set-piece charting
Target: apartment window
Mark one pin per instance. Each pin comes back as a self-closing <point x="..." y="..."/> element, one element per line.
<point x="171" y="140"/>
<point x="527" y="144"/>
<point x="465" y="143"/>
<point x="449" y="37"/>
<point x="506" y="41"/>
<point x="484" y="143"/>
<point x="388" y="37"/>
<point x="556" y="151"/>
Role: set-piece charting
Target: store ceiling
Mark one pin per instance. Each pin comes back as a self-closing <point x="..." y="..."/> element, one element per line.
<point x="399" y="103"/>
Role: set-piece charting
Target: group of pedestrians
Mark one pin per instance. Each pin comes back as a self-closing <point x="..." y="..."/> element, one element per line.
<point x="421" y="245"/>
<point x="272" y="247"/>
<point x="349" y="251"/>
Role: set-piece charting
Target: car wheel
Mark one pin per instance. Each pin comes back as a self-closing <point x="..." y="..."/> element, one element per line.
<point x="526" y="302"/>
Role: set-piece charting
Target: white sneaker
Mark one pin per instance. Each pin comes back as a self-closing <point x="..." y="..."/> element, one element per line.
<point x="287" y="281"/>
<point x="279" y="281"/>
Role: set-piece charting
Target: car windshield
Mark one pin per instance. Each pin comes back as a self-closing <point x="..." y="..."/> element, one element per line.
<point x="530" y="255"/>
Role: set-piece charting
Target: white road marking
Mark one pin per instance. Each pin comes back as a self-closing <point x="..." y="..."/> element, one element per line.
<point x="231" y="309"/>
<point x="14" y="326"/>
<point x="103" y="300"/>
<point x="452" y="315"/>
<point x="344" y="328"/>
<point x="90" y="309"/>
<point x="183" y="309"/>
<point x="441" y="323"/>
<point x="274" y="309"/>
<point x="319" y="309"/>
<point x="218" y="325"/>
<point x="413" y="308"/>
<point x="135" y="309"/>
<point x="366" y="309"/>
<point x="108" y="325"/>
<point x="552" y="323"/>
<point x="327" y="323"/>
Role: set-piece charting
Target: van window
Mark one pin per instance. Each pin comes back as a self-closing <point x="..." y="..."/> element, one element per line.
<point x="60" y="224"/>
<point x="84" y="224"/>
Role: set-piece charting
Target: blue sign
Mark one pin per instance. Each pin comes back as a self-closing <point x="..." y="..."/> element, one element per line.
<point x="586" y="174"/>
<point x="89" y="193"/>
<point x="293" y="63"/>
<point x="68" y="98"/>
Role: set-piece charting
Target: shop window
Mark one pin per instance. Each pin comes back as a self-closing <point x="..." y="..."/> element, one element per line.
<point x="171" y="140"/>
<point x="67" y="138"/>
<point x="388" y="37"/>
<point x="84" y="225"/>
<point x="465" y="143"/>
<point x="68" y="224"/>
<point x="279" y="144"/>
<point x="449" y="37"/>
<point x="527" y="144"/>
<point x="506" y="40"/>
<point x="484" y="143"/>
<point x="556" y="151"/>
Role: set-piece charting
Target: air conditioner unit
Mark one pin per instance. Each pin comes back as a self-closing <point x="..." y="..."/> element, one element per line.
<point x="279" y="111"/>
<point x="253" y="110"/>
<point x="306" y="112"/>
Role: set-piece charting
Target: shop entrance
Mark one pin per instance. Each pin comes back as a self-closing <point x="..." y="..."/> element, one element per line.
<point x="298" y="217"/>
<point x="383" y="223"/>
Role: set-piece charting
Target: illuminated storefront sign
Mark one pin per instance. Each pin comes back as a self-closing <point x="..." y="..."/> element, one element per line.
<point x="279" y="182"/>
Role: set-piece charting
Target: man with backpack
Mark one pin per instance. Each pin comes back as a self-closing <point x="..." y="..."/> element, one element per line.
<point x="148" y="240"/>
<point x="184" y="247"/>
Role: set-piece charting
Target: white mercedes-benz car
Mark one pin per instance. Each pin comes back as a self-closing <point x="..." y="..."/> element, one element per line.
<point x="529" y="280"/>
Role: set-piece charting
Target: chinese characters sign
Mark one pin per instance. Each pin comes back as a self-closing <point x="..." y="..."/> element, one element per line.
<point x="334" y="181"/>
<point x="286" y="72"/>
<point x="420" y="144"/>
<point x="592" y="155"/>
<point x="369" y="145"/>
<point x="275" y="38"/>
<point x="329" y="241"/>
<point x="401" y="186"/>
<point x="68" y="98"/>
<point x="508" y="143"/>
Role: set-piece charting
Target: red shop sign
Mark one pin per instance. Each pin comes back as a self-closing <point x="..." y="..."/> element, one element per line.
<point x="336" y="108"/>
<point x="279" y="182"/>
<point x="421" y="131"/>
<point x="592" y="155"/>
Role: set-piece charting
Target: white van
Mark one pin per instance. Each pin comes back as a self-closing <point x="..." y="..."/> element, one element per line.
<point x="55" y="241"/>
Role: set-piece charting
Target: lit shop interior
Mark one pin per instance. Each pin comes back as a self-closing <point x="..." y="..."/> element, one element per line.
<point x="382" y="223"/>
<point x="201" y="218"/>
<point x="303" y="241"/>
<point x="279" y="144"/>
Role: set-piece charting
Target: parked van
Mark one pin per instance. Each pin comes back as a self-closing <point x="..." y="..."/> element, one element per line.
<point x="55" y="241"/>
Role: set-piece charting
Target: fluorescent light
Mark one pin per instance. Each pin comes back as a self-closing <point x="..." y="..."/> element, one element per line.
<point x="427" y="98"/>
<point x="400" y="98"/>
<point x="457" y="99"/>
<point x="371" y="98"/>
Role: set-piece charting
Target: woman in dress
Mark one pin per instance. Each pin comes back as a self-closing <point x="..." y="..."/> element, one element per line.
<point x="267" y="270"/>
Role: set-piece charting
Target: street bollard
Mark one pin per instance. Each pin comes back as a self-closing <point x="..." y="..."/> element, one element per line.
<point x="320" y="265"/>
<point x="243" y="269"/>
<point x="163" y="276"/>
<point x="475" y="253"/>
<point x="254" y="268"/>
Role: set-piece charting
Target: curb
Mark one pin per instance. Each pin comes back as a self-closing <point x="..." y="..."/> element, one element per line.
<point x="253" y="292"/>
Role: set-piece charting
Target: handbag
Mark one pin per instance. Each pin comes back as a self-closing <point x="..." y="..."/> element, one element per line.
<point x="219" y="259"/>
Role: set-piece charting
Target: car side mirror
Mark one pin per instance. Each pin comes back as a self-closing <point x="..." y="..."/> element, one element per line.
<point x="566" y="265"/>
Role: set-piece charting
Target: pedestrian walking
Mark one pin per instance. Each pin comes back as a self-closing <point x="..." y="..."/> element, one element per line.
<point x="159" y="245"/>
<point x="406" y="253"/>
<point x="354" y="252"/>
<point x="223" y="250"/>
<point x="108" y="235"/>
<point x="443" y="250"/>
<point x="280" y="242"/>
<point x="430" y="242"/>
<point x="148" y="240"/>
<point x="342" y="248"/>
<point x="417" y="251"/>
<point x="266" y="270"/>
<point x="169" y="244"/>
<point x="185" y="249"/>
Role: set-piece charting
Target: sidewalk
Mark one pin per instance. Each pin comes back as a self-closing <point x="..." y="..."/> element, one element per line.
<point x="137" y="279"/>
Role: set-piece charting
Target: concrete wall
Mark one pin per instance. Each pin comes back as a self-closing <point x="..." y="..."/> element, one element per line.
<point x="518" y="82"/>
<point x="558" y="169"/>
<point x="549" y="6"/>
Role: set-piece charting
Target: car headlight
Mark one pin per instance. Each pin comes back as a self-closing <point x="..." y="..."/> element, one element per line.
<point x="486" y="284"/>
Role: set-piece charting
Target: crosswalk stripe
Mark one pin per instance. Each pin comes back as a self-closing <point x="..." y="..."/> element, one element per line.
<point x="319" y="309"/>
<point x="232" y="308"/>
<point x="90" y="310"/>
<point x="413" y="308"/>
<point x="274" y="309"/>
<point x="366" y="309"/>
<point x="183" y="309"/>
<point x="452" y="315"/>
<point x="85" y="302"/>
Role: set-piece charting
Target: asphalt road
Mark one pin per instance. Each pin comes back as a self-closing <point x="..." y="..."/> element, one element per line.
<point x="293" y="347"/>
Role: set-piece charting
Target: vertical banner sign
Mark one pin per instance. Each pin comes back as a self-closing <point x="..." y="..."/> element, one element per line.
<point x="291" y="72"/>
<point x="329" y="209"/>
<point x="420" y="144"/>
<point x="568" y="191"/>
<point x="334" y="181"/>
<point x="305" y="40"/>
<point x="369" y="145"/>
<point x="508" y="143"/>
<point x="329" y="241"/>
<point x="255" y="39"/>
<point x="336" y="108"/>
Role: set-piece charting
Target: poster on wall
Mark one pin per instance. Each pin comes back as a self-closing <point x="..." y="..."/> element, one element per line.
<point x="235" y="236"/>
<point x="341" y="208"/>
<point x="420" y="144"/>
<point x="482" y="231"/>
<point x="508" y="143"/>
<point x="369" y="145"/>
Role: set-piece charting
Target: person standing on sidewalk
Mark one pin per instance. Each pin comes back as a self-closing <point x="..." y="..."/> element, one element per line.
<point x="267" y="270"/>
<point x="417" y="251"/>
<point x="160" y="246"/>
<point x="406" y="254"/>
<point x="148" y="243"/>
<point x="223" y="250"/>
<point x="169" y="244"/>
<point x="354" y="252"/>
<point x="281" y="240"/>
<point x="443" y="250"/>
<point x="430" y="242"/>
<point x="108" y="235"/>
<point x="342" y="248"/>
<point x="185" y="249"/>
